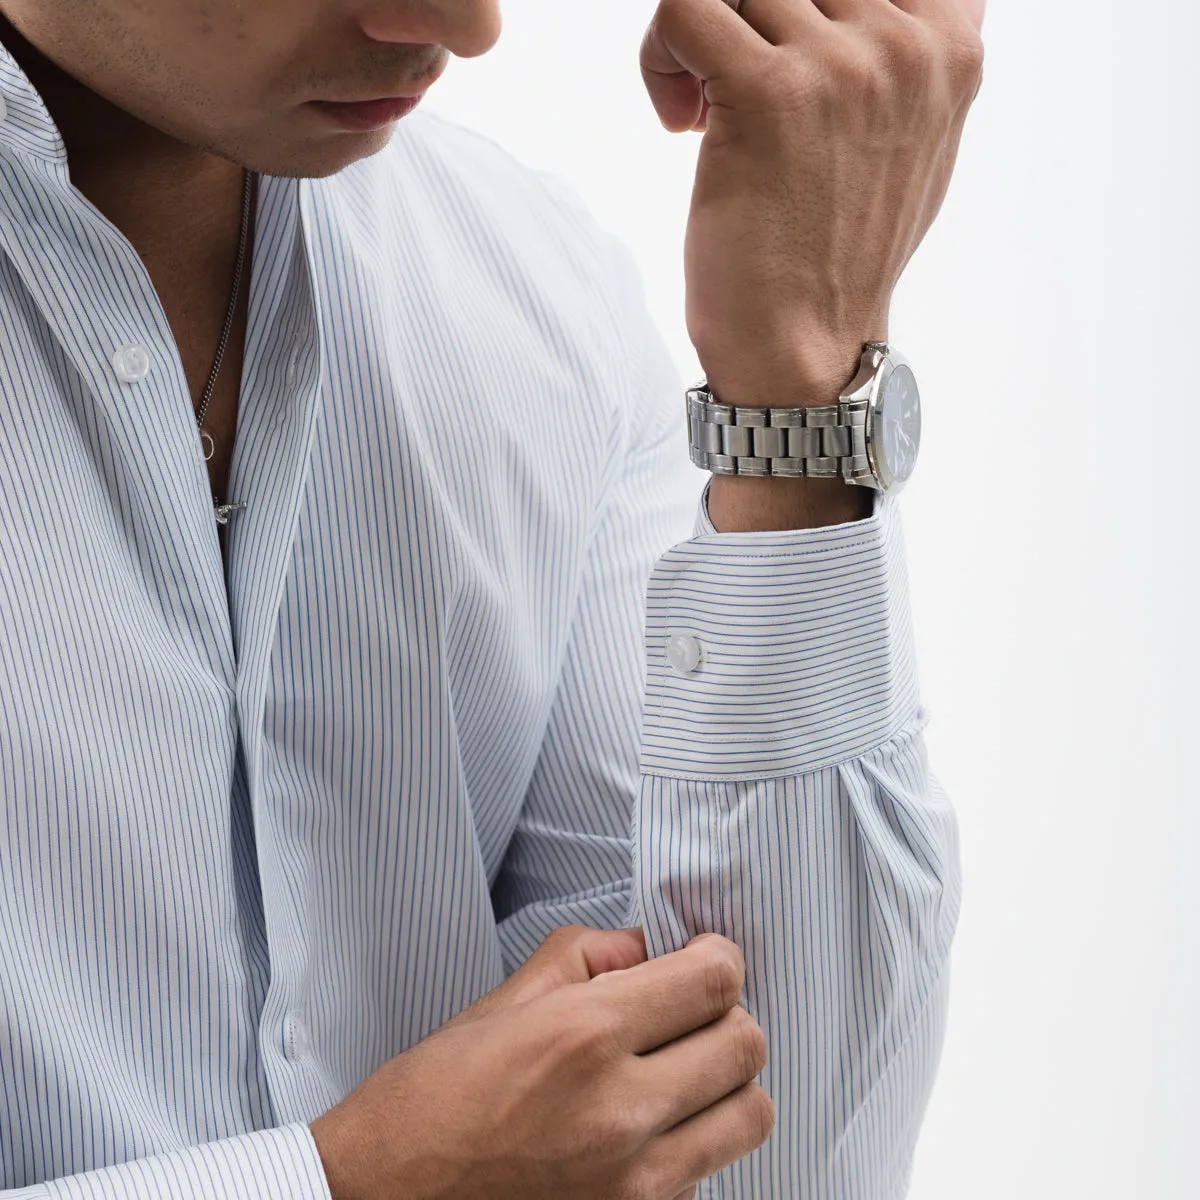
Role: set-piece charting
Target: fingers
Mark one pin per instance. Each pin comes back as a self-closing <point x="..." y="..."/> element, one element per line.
<point x="709" y="1141"/>
<point x="690" y="1074"/>
<point x="570" y="954"/>
<point x="677" y="57"/>
<point x="782" y="21"/>
<point x="575" y="954"/>
<point x="946" y="11"/>
<point x="702" y="39"/>
<point x="658" y="1001"/>
<point x="604" y="950"/>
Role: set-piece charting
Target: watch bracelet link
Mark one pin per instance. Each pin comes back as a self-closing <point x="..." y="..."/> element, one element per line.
<point x="824" y="442"/>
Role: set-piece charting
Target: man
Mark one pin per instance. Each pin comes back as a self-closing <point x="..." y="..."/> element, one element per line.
<point x="377" y="735"/>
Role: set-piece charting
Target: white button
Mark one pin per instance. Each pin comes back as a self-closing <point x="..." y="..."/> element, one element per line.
<point x="131" y="363"/>
<point x="683" y="652"/>
<point x="295" y="1040"/>
<point x="3" y="109"/>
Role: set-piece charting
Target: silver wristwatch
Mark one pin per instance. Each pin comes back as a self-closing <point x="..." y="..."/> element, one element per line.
<point x="870" y="437"/>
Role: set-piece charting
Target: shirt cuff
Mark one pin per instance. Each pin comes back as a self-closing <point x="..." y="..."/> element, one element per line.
<point x="777" y="653"/>
<point x="273" y="1164"/>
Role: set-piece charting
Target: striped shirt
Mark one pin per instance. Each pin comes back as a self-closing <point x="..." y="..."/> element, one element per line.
<point x="266" y="825"/>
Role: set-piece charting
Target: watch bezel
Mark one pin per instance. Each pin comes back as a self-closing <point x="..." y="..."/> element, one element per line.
<point x="880" y="469"/>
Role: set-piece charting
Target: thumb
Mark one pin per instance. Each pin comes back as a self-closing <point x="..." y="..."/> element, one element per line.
<point x="571" y="954"/>
<point x="575" y="954"/>
<point x="682" y="49"/>
<point x="677" y="95"/>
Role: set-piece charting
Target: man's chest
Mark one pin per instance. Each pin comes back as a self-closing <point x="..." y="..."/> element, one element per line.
<point x="389" y="591"/>
<point x="419" y="506"/>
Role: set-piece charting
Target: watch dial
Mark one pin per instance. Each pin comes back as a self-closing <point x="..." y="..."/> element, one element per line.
<point x="901" y="420"/>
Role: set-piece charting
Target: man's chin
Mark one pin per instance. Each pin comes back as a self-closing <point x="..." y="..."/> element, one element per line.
<point x="320" y="158"/>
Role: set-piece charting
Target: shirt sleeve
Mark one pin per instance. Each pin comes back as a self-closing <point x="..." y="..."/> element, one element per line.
<point x="274" y="1164"/>
<point x="787" y="804"/>
<point x="777" y="793"/>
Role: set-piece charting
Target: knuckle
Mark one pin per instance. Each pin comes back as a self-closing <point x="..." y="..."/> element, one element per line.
<point x="966" y="55"/>
<point x="723" y="975"/>
<point x="910" y="51"/>
<point x="598" y="1035"/>
<point x="760" y="1115"/>
<point x="618" y="1128"/>
<point x="750" y="1043"/>
<point x="971" y="61"/>
<point x="563" y="936"/>
<point x="858" y="72"/>
<point x="971" y="47"/>
<point x="584" y="1037"/>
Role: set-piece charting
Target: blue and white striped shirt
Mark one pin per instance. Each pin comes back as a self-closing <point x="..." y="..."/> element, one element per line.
<point x="264" y="829"/>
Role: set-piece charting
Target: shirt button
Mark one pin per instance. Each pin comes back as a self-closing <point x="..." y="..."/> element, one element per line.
<point x="683" y="652"/>
<point x="131" y="363"/>
<point x="295" y="1039"/>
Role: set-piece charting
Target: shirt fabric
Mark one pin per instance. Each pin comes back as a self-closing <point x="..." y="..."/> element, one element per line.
<point x="264" y="828"/>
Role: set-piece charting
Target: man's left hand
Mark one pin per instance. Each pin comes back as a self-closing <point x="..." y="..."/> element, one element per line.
<point x="831" y="128"/>
<point x="571" y="954"/>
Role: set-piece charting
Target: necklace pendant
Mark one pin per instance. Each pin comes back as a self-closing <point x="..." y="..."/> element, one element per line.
<point x="222" y="512"/>
<point x="207" y="446"/>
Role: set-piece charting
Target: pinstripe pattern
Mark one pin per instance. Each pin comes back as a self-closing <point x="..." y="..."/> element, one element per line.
<point x="264" y="828"/>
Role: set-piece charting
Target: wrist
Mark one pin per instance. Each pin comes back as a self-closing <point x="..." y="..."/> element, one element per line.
<point x="342" y="1156"/>
<point x="748" y="504"/>
<point x="810" y="374"/>
<point x="745" y="503"/>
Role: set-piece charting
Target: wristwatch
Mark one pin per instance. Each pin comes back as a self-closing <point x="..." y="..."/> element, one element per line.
<point x="869" y="438"/>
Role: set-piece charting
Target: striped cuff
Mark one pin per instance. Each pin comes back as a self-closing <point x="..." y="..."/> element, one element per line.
<point x="275" y="1164"/>
<point x="774" y="654"/>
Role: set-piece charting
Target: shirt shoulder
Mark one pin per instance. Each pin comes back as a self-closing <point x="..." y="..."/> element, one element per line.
<point x="494" y="240"/>
<point x="455" y="186"/>
<point x="488" y="169"/>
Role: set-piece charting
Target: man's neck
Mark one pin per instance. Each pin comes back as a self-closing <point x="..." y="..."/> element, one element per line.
<point x="173" y="202"/>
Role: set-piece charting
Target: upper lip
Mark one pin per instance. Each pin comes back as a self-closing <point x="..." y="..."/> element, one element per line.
<point x="407" y="94"/>
<point x="377" y="99"/>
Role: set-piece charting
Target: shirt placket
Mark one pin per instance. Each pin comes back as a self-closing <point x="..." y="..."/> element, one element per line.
<point x="107" y="318"/>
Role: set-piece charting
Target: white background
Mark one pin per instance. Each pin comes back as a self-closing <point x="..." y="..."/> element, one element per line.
<point x="1053" y="320"/>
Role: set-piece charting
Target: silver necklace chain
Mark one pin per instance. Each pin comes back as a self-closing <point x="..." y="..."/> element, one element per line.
<point x="208" y="446"/>
<point x="206" y="438"/>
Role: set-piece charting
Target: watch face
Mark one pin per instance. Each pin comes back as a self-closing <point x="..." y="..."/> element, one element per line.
<point x="900" y="421"/>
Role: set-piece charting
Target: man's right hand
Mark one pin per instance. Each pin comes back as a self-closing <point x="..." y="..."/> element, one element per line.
<point x="632" y="1085"/>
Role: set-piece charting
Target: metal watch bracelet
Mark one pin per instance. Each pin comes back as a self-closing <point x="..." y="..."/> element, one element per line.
<point x="823" y="442"/>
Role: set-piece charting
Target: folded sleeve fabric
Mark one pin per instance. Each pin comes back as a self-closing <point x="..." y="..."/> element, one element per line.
<point x="787" y="803"/>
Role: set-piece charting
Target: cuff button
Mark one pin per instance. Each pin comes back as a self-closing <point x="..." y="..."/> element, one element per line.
<point x="683" y="652"/>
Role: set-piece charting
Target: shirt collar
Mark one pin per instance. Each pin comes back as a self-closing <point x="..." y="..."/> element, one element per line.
<point x="27" y="125"/>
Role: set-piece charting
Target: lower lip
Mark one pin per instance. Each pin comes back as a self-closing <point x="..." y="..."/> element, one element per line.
<point x="371" y="114"/>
